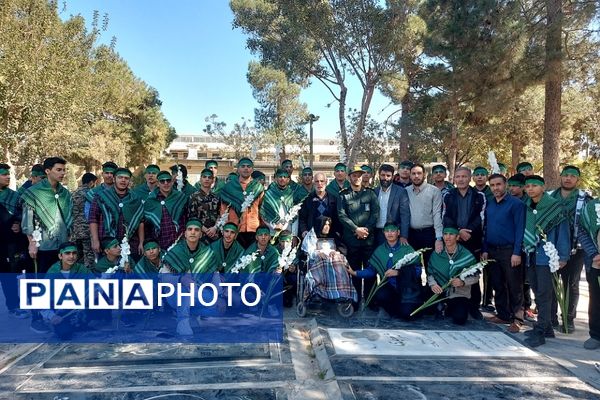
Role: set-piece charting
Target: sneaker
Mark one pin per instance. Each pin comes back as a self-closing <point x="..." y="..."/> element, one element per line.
<point x="591" y="344"/>
<point x="548" y="334"/>
<point x="184" y="328"/>
<point x="535" y="340"/>
<point x="19" y="314"/>
<point x="476" y="314"/>
<point x="39" y="326"/>
<point x="497" y="320"/>
<point x="515" y="327"/>
<point x="488" y="308"/>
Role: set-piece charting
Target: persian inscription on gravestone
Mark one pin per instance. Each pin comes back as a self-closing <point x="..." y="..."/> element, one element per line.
<point x="426" y="343"/>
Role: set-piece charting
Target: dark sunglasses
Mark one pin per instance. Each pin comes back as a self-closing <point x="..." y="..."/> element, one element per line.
<point x="164" y="180"/>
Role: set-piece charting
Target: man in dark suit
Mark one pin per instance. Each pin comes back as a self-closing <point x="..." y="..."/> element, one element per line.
<point x="393" y="205"/>
<point x="463" y="208"/>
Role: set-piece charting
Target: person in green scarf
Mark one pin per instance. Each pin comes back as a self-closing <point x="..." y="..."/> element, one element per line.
<point x="66" y="322"/>
<point x="12" y="242"/>
<point x="306" y="186"/>
<point x="149" y="265"/>
<point x="187" y="188"/>
<point x="143" y="190"/>
<point x="545" y="216"/>
<point x="443" y="267"/>
<point x="118" y="213"/>
<point x="480" y="177"/>
<point x="108" y="179"/>
<point x="238" y="191"/>
<point x="340" y="173"/>
<point x="277" y="202"/>
<point x="573" y="201"/>
<point x="111" y="247"/>
<point x="227" y="250"/>
<point x="36" y="175"/>
<point x="48" y="205"/>
<point x="401" y="294"/>
<point x="190" y="255"/>
<point x="288" y="166"/>
<point x="525" y="168"/>
<point x="588" y="236"/>
<point x="268" y="256"/>
<point x="218" y="183"/>
<point x="165" y="211"/>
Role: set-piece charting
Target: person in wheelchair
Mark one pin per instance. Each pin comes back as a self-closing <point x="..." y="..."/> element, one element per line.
<point x="401" y="294"/>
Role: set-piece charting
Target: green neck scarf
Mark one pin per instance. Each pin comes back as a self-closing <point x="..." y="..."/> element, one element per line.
<point x="265" y="262"/>
<point x="181" y="259"/>
<point x="142" y="191"/>
<point x="547" y="214"/>
<point x="381" y="256"/>
<point x="233" y="194"/>
<point x="112" y="206"/>
<point x="590" y="221"/>
<point x="187" y="189"/>
<point x="226" y="262"/>
<point x="9" y="199"/>
<point x="334" y="189"/>
<point x="104" y="263"/>
<point x="174" y="203"/>
<point x="45" y="203"/>
<point x="94" y="191"/>
<point x="441" y="267"/>
<point x="76" y="269"/>
<point x="275" y="201"/>
<point x="569" y="203"/>
<point x="146" y="269"/>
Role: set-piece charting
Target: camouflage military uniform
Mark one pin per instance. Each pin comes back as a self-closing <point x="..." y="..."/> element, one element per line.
<point x="204" y="207"/>
<point x="80" y="232"/>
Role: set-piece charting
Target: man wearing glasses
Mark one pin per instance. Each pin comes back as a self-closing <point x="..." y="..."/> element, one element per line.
<point x="165" y="211"/>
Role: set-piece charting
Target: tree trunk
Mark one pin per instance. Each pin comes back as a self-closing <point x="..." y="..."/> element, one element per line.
<point x="515" y="150"/>
<point x="553" y="91"/>
<point x="453" y="149"/>
<point x="404" y="127"/>
<point x="342" y="116"/>
<point x="364" y="110"/>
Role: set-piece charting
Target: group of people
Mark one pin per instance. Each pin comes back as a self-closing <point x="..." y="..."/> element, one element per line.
<point x="170" y="225"/>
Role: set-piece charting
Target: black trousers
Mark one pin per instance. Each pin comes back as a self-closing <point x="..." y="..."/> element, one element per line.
<point x="358" y="258"/>
<point x="246" y="238"/>
<point x="593" y="278"/>
<point x="390" y="299"/>
<point x="421" y="238"/>
<point x="507" y="282"/>
<point x="8" y="268"/>
<point x="570" y="275"/>
<point x="526" y="287"/>
<point x="45" y="259"/>
<point x="458" y="309"/>
<point x="540" y="279"/>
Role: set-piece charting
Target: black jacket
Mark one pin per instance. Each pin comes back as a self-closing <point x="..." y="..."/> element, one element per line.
<point x="476" y="216"/>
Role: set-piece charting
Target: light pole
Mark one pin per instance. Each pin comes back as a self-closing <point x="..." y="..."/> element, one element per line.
<point x="311" y="118"/>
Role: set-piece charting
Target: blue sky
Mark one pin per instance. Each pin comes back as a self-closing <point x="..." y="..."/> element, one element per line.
<point x="190" y="53"/>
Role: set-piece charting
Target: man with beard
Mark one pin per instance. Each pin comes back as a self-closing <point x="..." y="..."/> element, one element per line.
<point x="358" y="211"/>
<point x="118" y="213"/>
<point x="143" y="190"/>
<point x="108" y="180"/>
<point x="403" y="176"/>
<point x="393" y="206"/>
<point x="243" y="190"/>
<point x="505" y="216"/>
<point x="573" y="201"/>
<point x="278" y="200"/>
<point x="425" y="203"/>
<point x="463" y="208"/>
<point x="165" y="211"/>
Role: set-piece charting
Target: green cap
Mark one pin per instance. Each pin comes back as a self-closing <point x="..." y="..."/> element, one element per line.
<point x="535" y="180"/>
<point x="390" y="226"/>
<point x="480" y="171"/>
<point x="109" y="243"/>
<point x="68" y="249"/>
<point x="245" y="161"/>
<point x="286" y="162"/>
<point x="366" y="168"/>
<point x="285" y="236"/>
<point x="211" y="163"/>
<point x="206" y="172"/>
<point x="307" y="171"/>
<point x="438" y="168"/>
<point x="4" y="171"/>
<point x="517" y="180"/>
<point x="262" y="230"/>
<point x="152" y="169"/>
<point x="123" y="172"/>
<point x="164" y="175"/>
<point x="230" y="226"/>
<point x="502" y="167"/>
<point x="281" y="173"/>
<point x="524" y="166"/>
<point x="451" y="230"/>
<point x="150" y="245"/>
<point x="340" y="167"/>
<point x="570" y="170"/>
<point x="193" y="222"/>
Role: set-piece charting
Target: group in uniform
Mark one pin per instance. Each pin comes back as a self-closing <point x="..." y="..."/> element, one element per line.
<point x="375" y="217"/>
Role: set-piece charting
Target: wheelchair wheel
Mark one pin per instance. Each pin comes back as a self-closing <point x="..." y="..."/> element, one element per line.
<point x="301" y="309"/>
<point x="345" y="309"/>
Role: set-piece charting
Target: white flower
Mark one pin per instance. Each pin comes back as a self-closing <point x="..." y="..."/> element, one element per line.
<point x="291" y="215"/>
<point x="287" y="257"/>
<point x="472" y="270"/>
<point x="243" y="262"/>
<point x="222" y="219"/>
<point x="125" y="252"/>
<point x="552" y="253"/>
<point x="179" y="178"/>
<point x="248" y="200"/>
<point x="493" y="162"/>
<point x="408" y="258"/>
<point x="36" y="235"/>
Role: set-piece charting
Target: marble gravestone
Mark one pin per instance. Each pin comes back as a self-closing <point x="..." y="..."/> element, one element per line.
<point x="420" y="343"/>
